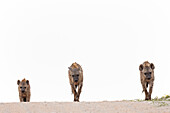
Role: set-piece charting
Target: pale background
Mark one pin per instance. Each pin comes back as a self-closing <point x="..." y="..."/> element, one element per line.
<point x="39" y="39"/>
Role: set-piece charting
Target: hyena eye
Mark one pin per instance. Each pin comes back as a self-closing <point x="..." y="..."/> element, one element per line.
<point x="145" y="73"/>
<point x="150" y="73"/>
<point x="72" y="75"/>
<point x="20" y="87"/>
<point x="25" y="87"/>
<point x="78" y="75"/>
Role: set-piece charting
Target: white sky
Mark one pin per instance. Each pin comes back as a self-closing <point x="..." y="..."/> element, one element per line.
<point x="39" y="39"/>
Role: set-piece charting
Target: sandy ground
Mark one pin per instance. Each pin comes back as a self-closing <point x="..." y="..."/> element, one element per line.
<point x="86" y="107"/>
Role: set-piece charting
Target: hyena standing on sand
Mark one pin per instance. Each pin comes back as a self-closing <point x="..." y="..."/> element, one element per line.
<point x="24" y="90"/>
<point x="147" y="77"/>
<point x="75" y="74"/>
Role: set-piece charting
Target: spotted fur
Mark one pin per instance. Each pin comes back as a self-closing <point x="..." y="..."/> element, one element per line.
<point x="24" y="90"/>
<point x="147" y="78"/>
<point x="76" y="70"/>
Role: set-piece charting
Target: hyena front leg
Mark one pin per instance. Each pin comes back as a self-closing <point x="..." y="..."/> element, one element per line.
<point x="74" y="91"/>
<point x="28" y="99"/>
<point x="21" y="99"/>
<point x="79" y="91"/>
<point x="146" y="93"/>
<point x="150" y="90"/>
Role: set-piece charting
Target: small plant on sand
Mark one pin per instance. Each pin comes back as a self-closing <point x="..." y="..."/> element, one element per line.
<point x="162" y="104"/>
<point x="163" y="98"/>
<point x="161" y="101"/>
<point x="139" y="100"/>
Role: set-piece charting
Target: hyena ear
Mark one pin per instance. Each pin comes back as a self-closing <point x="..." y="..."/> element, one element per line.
<point x="70" y="68"/>
<point x="152" y="66"/>
<point x="18" y="82"/>
<point x="27" y="81"/>
<point x="79" y="68"/>
<point x="141" y="67"/>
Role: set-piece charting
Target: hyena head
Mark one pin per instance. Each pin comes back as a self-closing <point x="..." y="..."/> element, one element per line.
<point x="23" y="86"/>
<point x="147" y="69"/>
<point x="75" y="73"/>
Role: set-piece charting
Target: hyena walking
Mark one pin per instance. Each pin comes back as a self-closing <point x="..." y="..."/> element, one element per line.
<point x="24" y="90"/>
<point x="147" y="78"/>
<point x="75" y="74"/>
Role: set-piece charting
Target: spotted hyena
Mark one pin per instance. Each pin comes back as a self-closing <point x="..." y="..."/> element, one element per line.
<point x="147" y="78"/>
<point x="75" y="74"/>
<point x="24" y="90"/>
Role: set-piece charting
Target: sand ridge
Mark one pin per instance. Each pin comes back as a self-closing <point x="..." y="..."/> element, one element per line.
<point x="84" y="107"/>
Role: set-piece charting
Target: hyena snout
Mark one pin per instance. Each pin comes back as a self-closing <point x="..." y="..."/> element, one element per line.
<point x="23" y="89"/>
<point x="148" y="75"/>
<point x="76" y="78"/>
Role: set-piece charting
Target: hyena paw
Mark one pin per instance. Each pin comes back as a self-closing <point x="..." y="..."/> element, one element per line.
<point x="75" y="100"/>
<point x="147" y="98"/>
<point x="77" y="97"/>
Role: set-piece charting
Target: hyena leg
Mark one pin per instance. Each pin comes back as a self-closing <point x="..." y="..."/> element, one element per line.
<point x="74" y="91"/>
<point x="21" y="99"/>
<point x="28" y="99"/>
<point x="146" y="93"/>
<point x="150" y="90"/>
<point x="79" y="91"/>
